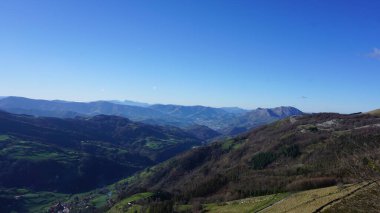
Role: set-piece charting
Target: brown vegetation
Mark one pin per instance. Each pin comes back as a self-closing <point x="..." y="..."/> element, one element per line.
<point x="306" y="152"/>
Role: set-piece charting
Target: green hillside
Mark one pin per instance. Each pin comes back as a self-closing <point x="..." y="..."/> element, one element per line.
<point x="81" y="154"/>
<point x="329" y="199"/>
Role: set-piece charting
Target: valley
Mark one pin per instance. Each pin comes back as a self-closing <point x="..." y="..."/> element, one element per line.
<point x="301" y="163"/>
<point x="76" y="155"/>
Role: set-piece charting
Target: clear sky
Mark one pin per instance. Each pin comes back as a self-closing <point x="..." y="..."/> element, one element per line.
<point x="317" y="55"/>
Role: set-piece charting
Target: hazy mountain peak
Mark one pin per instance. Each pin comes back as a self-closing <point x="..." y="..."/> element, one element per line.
<point x="235" y="110"/>
<point x="130" y="103"/>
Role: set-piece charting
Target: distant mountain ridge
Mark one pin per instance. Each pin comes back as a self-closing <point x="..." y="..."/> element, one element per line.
<point x="130" y="103"/>
<point x="64" y="109"/>
<point x="227" y="120"/>
<point x="259" y="117"/>
<point x="214" y="118"/>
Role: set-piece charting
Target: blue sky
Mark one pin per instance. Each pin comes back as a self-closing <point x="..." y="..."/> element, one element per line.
<point x="317" y="55"/>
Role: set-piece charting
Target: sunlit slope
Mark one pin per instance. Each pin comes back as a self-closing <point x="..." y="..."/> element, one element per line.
<point x="329" y="199"/>
<point x="375" y="112"/>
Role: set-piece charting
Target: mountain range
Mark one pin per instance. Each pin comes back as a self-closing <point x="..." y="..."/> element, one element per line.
<point x="227" y="120"/>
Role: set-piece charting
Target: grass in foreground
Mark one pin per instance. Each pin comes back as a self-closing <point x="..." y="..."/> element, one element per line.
<point x="364" y="200"/>
<point x="375" y="112"/>
<point x="310" y="200"/>
<point x="304" y="201"/>
<point x="254" y="204"/>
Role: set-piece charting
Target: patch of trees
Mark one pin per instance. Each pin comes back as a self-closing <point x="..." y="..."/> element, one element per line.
<point x="161" y="206"/>
<point x="311" y="183"/>
<point x="291" y="151"/>
<point x="262" y="159"/>
<point x="207" y="186"/>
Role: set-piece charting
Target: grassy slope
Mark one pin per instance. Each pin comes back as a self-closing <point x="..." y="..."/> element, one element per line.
<point x="375" y="112"/>
<point x="29" y="201"/>
<point x="122" y="206"/>
<point x="310" y="200"/>
<point x="245" y="205"/>
<point x="364" y="200"/>
<point x="304" y="201"/>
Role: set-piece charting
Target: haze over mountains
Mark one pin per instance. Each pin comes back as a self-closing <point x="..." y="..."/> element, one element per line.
<point x="73" y="147"/>
<point x="165" y="153"/>
<point x="228" y="120"/>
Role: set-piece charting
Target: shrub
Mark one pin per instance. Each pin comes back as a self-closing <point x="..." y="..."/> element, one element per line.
<point x="291" y="151"/>
<point x="161" y="207"/>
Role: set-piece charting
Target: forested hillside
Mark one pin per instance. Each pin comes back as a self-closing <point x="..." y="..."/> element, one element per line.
<point x="80" y="154"/>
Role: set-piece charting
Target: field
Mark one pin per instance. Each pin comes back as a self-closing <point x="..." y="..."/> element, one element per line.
<point x="4" y="137"/>
<point x="23" y="200"/>
<point x="245" y="205"/>
<point x="122" y="206"/>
